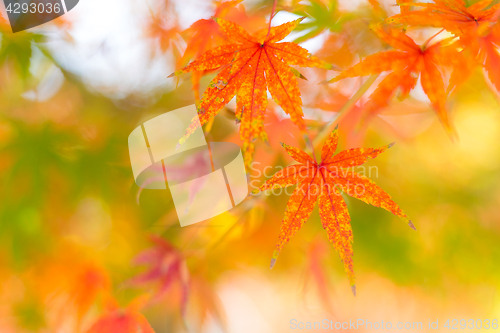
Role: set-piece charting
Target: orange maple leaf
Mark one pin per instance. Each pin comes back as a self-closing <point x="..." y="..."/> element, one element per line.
<point x="315" y="273"/>
<point x="453" y="15"/>
<point x="90" y="281"/>
<point x="205" y="34"/>
<point x="406" y="64"/>
<point x="253" y="65"/>
<point x="71" y="287"/>
<point x="481" y="44"/>
<point x="127" y="320"/>
<point x="485" y="46"/>
<point x="475" y="25"/>
<point x="206" y="305"/>
<point x="321" y="182"/>
<point x="163" y="28"/>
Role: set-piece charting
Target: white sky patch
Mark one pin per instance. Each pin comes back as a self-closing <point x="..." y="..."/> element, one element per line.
<point x="247" y="316"/>
<point x="106" y="44"/>
<point x="418" y="93"/>
<point x="49" y="77"/>
<point x="190" y="11"/>
<point x="109" y="49"/>
<point x="351" y="5"/>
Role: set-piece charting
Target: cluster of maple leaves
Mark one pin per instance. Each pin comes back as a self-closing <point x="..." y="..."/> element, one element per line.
<point x="251" y="65"/>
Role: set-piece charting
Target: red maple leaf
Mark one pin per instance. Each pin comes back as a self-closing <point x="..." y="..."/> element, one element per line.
<point x="167" y="266"/>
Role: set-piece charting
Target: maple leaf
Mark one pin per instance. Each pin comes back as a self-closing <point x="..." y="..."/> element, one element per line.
<point x="315" y="273"/>
<point x="167" y="266"/>
<point x="206" y="305"/>
<point x="323" y="16"/>
<point x="453" y="15"/>
<point x="17" y="47"/>
<point x="406" y="64"/>
<point x="354" y="123"/>
<point x="73" y="287"/>
<point x="481" y="44"/>
<point x="193" y="167"/>
<point x="337" y="50"/>
<point x="205" y="34"/>
<point x="127" y="320"/>
<point x="90" y="281"/>
<point x="321" y="182"/>
<point x="252" y="65"/>
<point x="280" y="130"/>
<point x="475" y="25"/>
<point x="165" y="35"/>
<point x="485" y="47"/>
<point x="163" y="28"/>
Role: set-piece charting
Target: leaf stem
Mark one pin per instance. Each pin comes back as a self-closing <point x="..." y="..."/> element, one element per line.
<point x="344" y="110"/>
<point x="424" y="46"/>
<point x="271" y="17"/>
<point x="310" y="145"/>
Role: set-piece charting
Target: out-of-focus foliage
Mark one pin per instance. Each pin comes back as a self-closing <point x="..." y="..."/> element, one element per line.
<point x="406" y="65"/>
<point x="71" y="226"/>
<point x="321" y="16"/>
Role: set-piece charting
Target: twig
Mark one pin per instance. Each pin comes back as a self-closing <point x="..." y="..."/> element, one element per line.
<point x="310" y="145"/>
<point x="344" y="110"/>
<point x="271" y="17"/>
<point x="432" y="37"/>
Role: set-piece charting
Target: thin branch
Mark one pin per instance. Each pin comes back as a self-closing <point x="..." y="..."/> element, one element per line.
<point x="271" y="17"/>
<point x="310" y="145"/>
<point x="344" y="110"/>
<point x="432" y="37"/>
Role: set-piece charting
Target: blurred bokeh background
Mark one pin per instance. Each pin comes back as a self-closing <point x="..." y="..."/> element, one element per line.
<point x="80" y="243"/>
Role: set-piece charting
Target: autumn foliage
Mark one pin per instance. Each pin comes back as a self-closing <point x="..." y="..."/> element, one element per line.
<point x="324" y="182"/>
<point x="253" y="65"/>
<point x="303" y="87"/>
